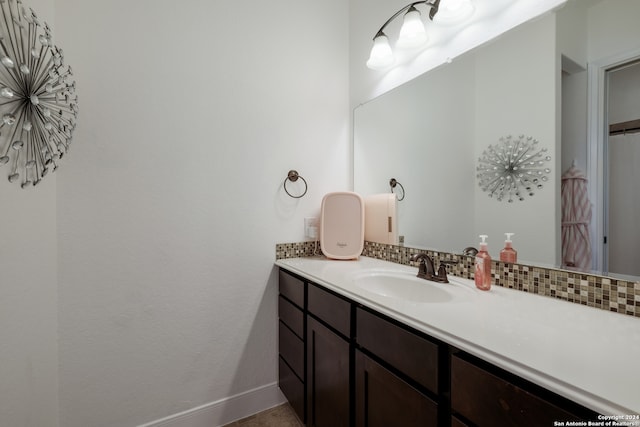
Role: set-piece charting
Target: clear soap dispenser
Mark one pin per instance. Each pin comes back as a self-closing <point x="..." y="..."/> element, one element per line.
<point x="508" y="254"/>
<point x="482" y="272"/>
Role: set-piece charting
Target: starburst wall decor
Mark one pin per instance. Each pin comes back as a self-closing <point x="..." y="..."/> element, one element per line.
<point x="513" y="168"/>
<point x="38" y="104"/>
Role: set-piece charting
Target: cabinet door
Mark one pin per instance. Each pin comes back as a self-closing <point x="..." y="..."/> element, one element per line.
<point x="383" y="399"/>
<point x="488" y="400"/>
<point x="327" y="377"/>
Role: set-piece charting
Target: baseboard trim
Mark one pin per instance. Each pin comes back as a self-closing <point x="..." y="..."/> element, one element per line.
<point x="225" y="410"/>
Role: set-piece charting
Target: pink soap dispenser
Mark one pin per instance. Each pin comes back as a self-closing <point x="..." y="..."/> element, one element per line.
<point x="508" y="254"/>
<point x="482" y="273"/>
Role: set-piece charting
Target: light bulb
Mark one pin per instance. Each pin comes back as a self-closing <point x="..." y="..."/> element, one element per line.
<point x="454" y="11"/>
<point x="412" y="33"/>
<point x="381" y="55"/>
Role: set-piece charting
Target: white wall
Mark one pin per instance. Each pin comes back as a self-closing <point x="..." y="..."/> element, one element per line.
<point x="28" y="305"/>
<point x="612" y="28"/>
<point x="624" y="94"/>
<point x="171" y="202"/>
<point x="574" y="120"/>
<point x="28" y="295"/>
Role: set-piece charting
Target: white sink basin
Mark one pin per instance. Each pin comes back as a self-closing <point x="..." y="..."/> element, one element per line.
<point x="406" y="286"/>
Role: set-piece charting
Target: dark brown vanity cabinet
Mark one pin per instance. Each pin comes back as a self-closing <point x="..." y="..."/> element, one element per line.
<point x="484" y="395"/>
<point x="401" y="385"/>
<point x="291" y="345"/>
<point x="408" y="352"/>
<point x="328" y="401"/>
<point x="343" y="365"/>
<point x="328" y="359"/>
<point x="383" y="399"/>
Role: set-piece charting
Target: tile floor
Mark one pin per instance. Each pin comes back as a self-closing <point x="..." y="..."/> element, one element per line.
<point x="279" y="416"/>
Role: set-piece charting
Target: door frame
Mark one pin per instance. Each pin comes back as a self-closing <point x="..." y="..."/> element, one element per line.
<point x="597" y="150"/>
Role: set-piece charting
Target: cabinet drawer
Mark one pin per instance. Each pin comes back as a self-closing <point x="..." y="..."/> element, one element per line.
<point x="486" y="399"/>
<point x="292" y="350"/>
<point x="292" y="288"/>
<point x="292" y="388"/>
<point x="331" y="309"/>
<point x="291" y="316"/>
<point x="411" y="354"/>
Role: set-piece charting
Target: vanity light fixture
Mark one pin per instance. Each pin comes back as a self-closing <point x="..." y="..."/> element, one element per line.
<point x="412" y="34"/>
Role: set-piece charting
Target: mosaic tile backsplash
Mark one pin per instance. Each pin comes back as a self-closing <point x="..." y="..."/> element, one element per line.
<point x="605" y="293"/>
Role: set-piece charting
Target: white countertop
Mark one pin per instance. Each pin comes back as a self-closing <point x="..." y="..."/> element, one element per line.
<point x="588" y="355"/>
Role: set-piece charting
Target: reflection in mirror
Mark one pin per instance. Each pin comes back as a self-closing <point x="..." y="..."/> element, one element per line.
<point x="430" y="132"/>
<point x="513" y="169"/>
<point x="623" y="154"/>
<point x="413" y="134"/>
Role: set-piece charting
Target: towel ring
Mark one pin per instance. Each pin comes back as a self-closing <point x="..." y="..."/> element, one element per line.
<point x="392" y="184"/>
<point x="293" y="177"/>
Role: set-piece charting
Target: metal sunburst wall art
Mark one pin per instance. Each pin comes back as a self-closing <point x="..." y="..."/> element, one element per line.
<point x="513" y="168"/>
<point x="38" y="104"/>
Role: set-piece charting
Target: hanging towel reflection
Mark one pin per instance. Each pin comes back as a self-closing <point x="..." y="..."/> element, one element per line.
<point x="576" y="219"/>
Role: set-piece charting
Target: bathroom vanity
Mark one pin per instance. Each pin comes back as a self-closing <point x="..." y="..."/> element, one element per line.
<point x="354" y="353"/>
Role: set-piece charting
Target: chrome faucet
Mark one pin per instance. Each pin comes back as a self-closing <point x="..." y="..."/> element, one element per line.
<point x="470" y="251"/>
<point x="426" y="269"/>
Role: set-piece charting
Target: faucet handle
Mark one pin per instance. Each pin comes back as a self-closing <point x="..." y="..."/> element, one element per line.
<point x="470" y="251"/>
<point x="442" y="268"/>
<point x="442" y="273"/>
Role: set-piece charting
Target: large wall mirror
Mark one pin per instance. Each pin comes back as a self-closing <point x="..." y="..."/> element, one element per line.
<point x="429" y="133"/>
